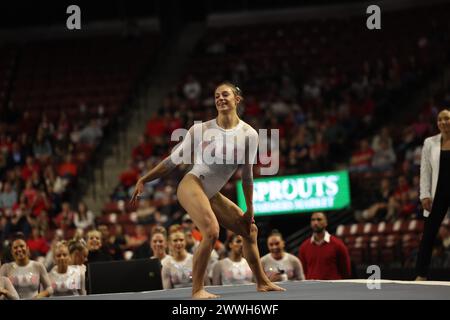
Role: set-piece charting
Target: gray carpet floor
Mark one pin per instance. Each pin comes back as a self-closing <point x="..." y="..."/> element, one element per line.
<point x="298" y="290"/>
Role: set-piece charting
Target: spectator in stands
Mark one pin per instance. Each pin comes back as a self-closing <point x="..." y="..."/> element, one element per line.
<point x="191" y="242"/>
<point x="95" y="247"/>
<point x="385" y="136"/>
<point x="8" y="196"/>
<point x="324" y="257"/>
<point x="17" y="156"/>
<point x="361" y="159"/>
<point x="165" y="196"/>
<point x="84" y="218"/>
<point x="68" y="169"/>
<point x="20" y="220"/>
<point x="40" y="204"/>
<point x="7" y="290"/>
<point x="118" y="240"/>
<point x="26" y="144"/>
<point x="42" y="148"/>
<point x="155" y="128"/>
<point x="234" y="269"/>
<point x="143" y="150"/>
<point x="46" y="126"/>
<point x="138" y="237"/>
<point x="377" y="211"/>
<point x="177" y="270"/>
<point x="5" y="143"/>
<point x="147" y="213"/>
<point x="384" y="157"/>
<point x="64" y="219"/>
<point x="278" y="264"/>
<point x="91" y="134"/>
<point x="56" y="185"/>
<point x="434" y="189"/>
<point x="27" y="276"/>
<point x="62" y="129"/>
<point x="37" y="244"/>
<point x="66" y="279"/>
<point x="108" y="245"/>
<point x="29" y="168"/>
<point x="144" y="250"/>
<point x="129" y="177"/>
<point x="399" y="200"/>
<point x="440" y="258"/>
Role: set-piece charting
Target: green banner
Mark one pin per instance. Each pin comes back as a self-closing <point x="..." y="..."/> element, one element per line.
<point x="299" y="193"/>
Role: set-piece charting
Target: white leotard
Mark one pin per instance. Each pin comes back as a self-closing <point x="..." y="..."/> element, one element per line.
<point x="178" y="273"/>
<point x="71" y="283"/>
<point x="289" y="265"/>
<point x="227" y="272"/>
<point x="228" y="148"/>
<point x="28" y="279"/>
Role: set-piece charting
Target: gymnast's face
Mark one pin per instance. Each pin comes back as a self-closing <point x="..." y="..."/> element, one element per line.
<point x="94" y="241"/>
<point x="19" y="250"/>
<point x="62" y="257"/>
<point x="236" y="245"/>
<point x="79" y="257"/>
<point x="443" y="121"/>
<point x="177" y="242"/>
<point x="158" y="244"/>
<point x="275" y="245"/>
<point x="225" y="98"/>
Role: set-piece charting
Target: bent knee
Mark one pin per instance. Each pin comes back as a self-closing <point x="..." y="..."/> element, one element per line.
<point x="211" y="234"/>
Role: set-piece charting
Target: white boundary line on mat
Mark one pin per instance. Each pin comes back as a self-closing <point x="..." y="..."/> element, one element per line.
<point x="364" y="281"/>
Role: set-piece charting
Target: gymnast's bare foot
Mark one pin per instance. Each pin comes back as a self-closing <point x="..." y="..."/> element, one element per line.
<point x="270" y="286"/>
<point x="419" y="278"/>
<point x="203" y="294"/>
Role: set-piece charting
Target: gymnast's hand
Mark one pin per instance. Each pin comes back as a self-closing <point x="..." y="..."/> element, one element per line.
<point x="138" y="189"/>
<point x="249" y="217"/>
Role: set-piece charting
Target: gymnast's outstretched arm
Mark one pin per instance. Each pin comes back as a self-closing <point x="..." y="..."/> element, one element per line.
<point x="167" y="165"/>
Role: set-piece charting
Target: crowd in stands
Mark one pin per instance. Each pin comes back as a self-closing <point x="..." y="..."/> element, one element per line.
<point x="54" y="117"/>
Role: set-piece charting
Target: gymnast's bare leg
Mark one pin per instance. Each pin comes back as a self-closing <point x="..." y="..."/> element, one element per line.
<point x="207" y="215"/>
<point x="233" y="218"/>
<point x="194" y="200"/>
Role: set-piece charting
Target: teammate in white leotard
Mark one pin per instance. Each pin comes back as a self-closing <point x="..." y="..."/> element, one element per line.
<point x="158" y="243"/>
<point x="198" y="191"/>
<point x="27" y="276"/>
<point x="234" y="269"/>
<point x="278" y="264"/>
<point x="66" y="279"/>
<point x="177" y="269"/>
